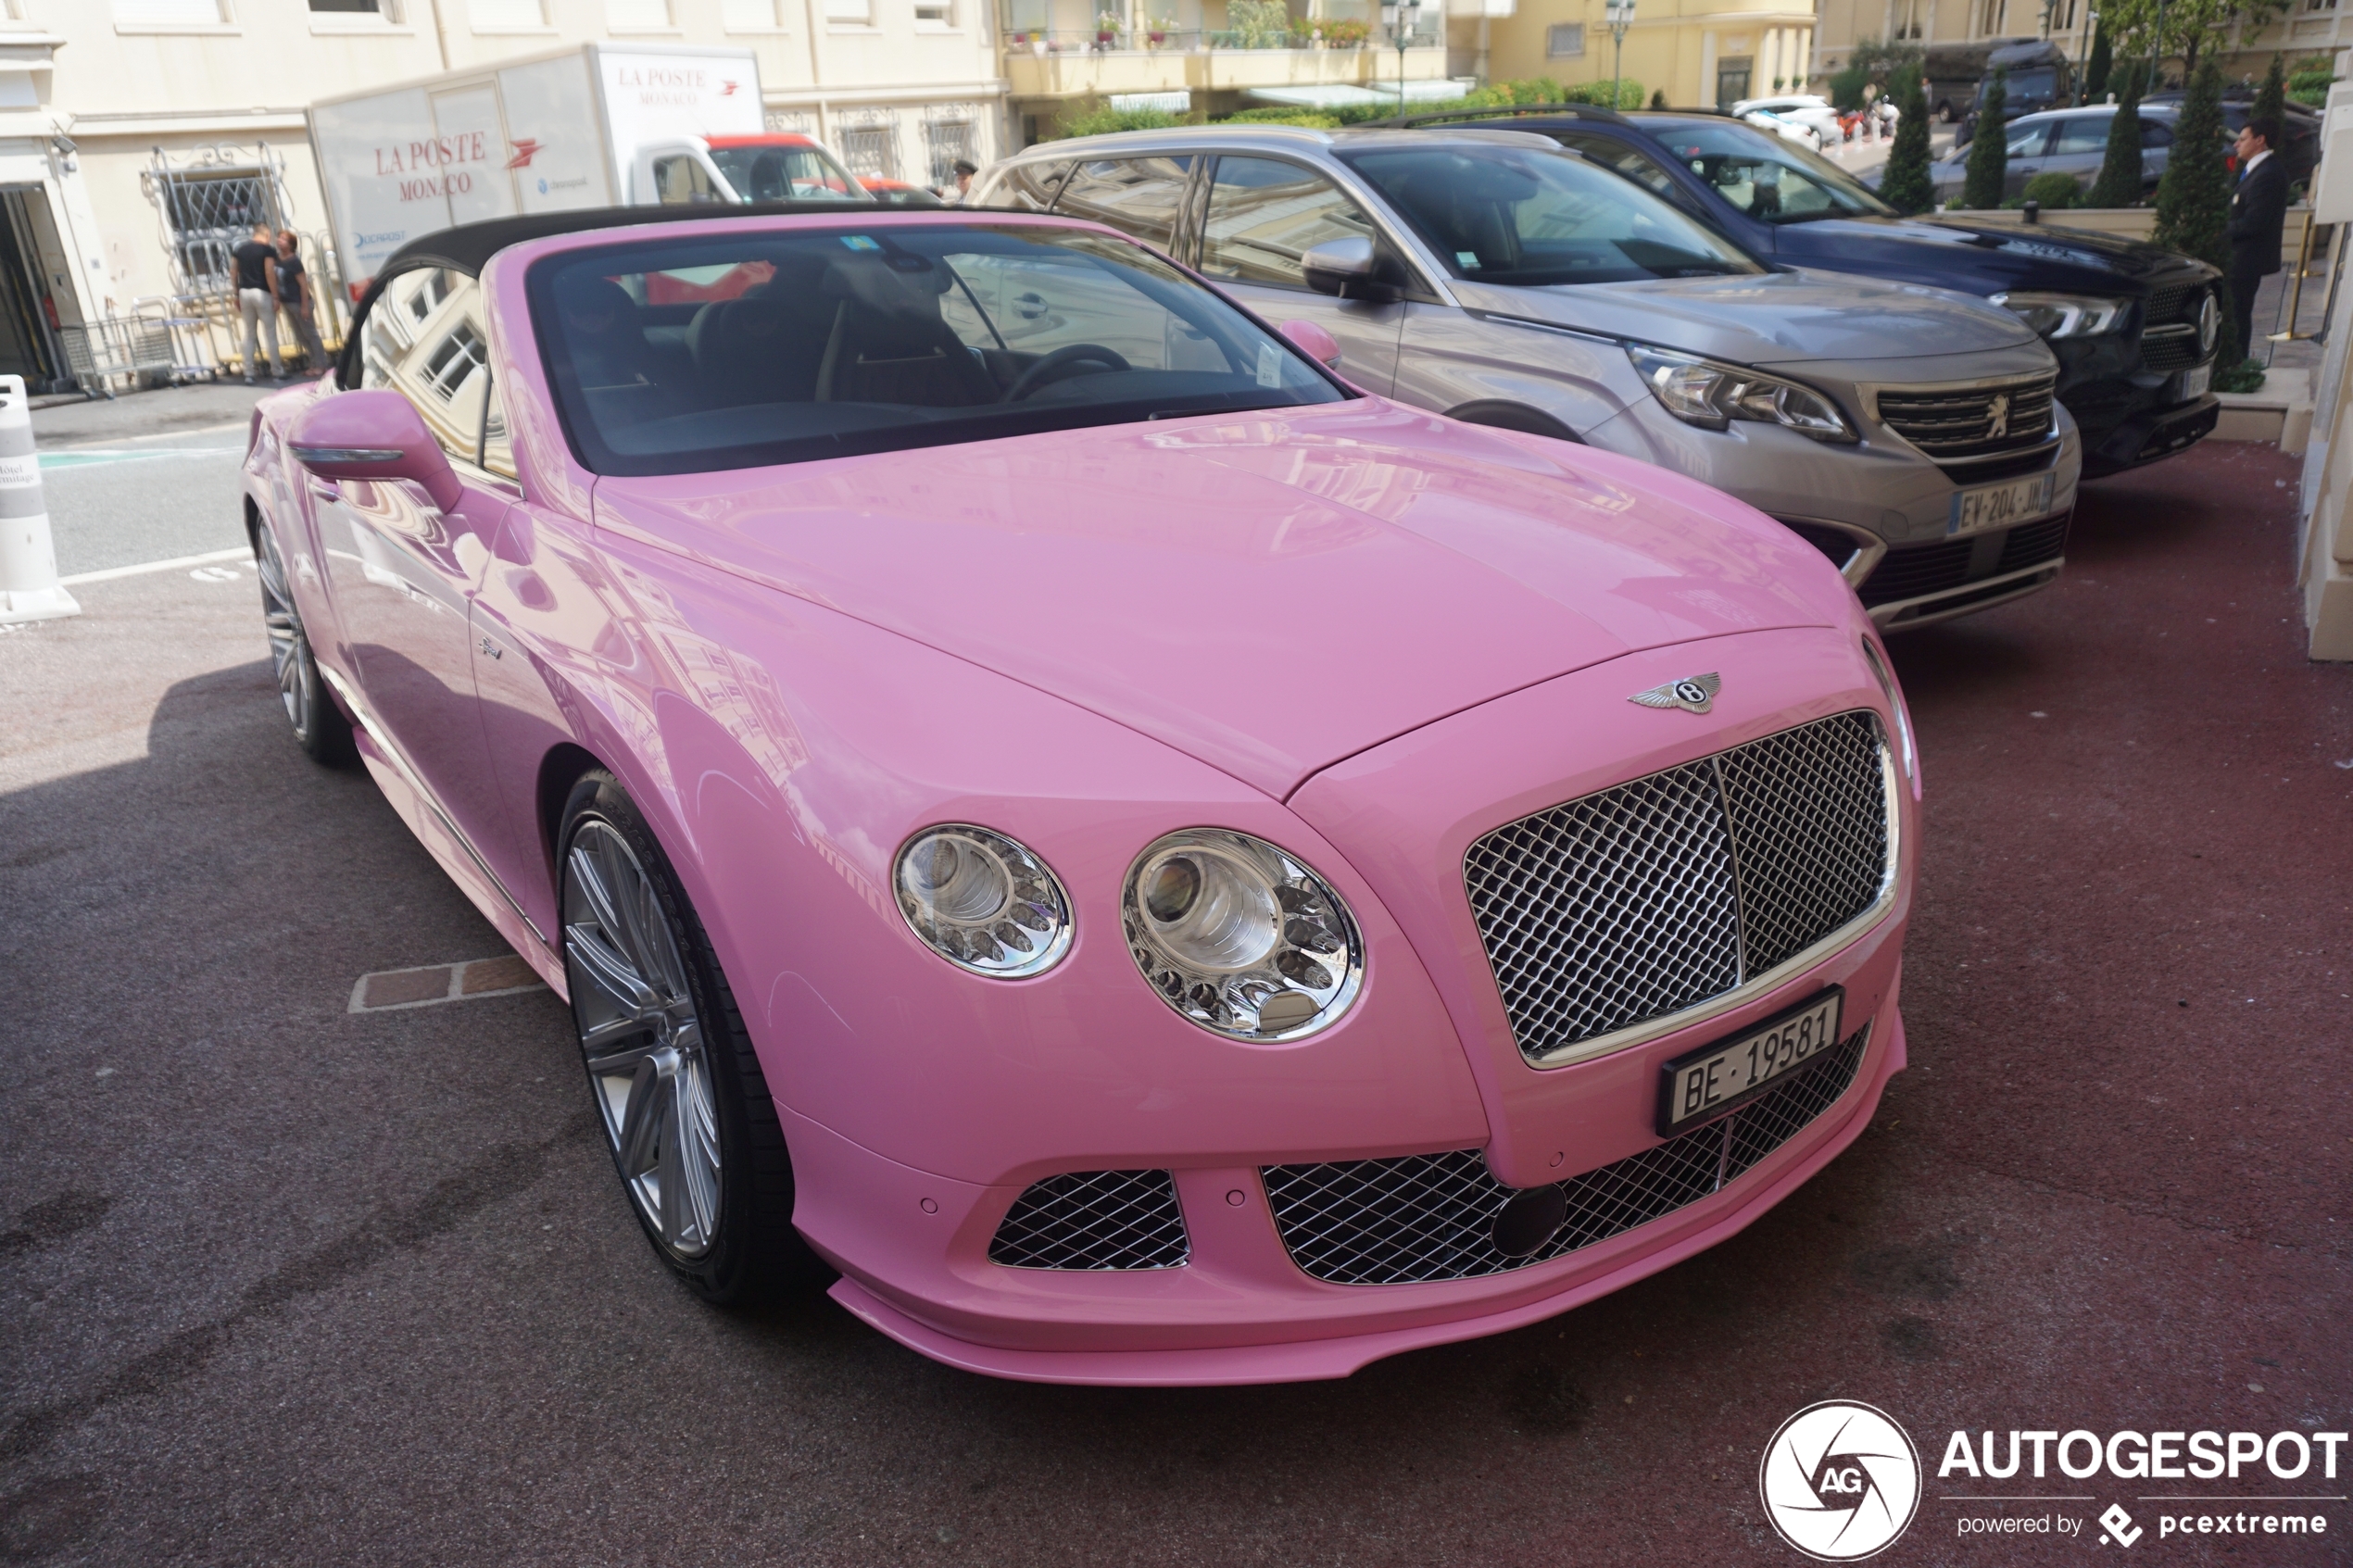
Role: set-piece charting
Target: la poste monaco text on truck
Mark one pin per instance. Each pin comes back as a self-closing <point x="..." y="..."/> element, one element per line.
<point x="596" y="126"/>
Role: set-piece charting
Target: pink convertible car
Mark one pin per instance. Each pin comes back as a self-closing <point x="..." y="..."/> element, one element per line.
<point x="1156" y="865"/>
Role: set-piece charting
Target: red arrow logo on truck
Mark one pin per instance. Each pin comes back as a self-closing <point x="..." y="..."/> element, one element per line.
<point x="525" y="150"/>
<point x="727" y="90"/>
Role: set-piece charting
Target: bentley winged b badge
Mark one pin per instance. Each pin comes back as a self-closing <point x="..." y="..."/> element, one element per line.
<point x="1691" y="694"/>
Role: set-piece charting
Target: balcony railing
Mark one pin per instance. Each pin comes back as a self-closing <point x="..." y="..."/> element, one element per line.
<point x="1040" y="41"/>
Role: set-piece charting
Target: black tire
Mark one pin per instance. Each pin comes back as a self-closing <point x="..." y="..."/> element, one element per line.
<point x="753" y="1250"/>
<point x="320" y="727"/>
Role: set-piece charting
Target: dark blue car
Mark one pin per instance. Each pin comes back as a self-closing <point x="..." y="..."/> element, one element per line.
<point x="2132" y="325"/>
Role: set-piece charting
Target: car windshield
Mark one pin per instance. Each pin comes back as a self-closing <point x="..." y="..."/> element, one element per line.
<point x="1771" y="178"/>
<point x="788" y="171"/>
<point x="781" y="345"/>
<point x="1531" y="217"/>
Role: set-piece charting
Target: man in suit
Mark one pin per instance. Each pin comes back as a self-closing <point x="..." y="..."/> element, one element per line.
<point x="2258" y="210"/>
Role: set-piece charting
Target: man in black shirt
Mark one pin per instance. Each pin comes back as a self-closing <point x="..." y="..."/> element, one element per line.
<point x="295" y="295"/>
<point x="256" y="262"/>
<point x="2258" y="212"/>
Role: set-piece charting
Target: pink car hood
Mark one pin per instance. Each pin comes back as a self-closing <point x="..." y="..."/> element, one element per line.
<point x="1268" y="593"/>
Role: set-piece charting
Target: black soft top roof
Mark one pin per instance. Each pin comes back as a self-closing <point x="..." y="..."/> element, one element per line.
<point x="469" y="246"/>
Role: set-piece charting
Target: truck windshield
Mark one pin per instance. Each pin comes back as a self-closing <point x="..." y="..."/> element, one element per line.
<point x="1531" y="218"/>
<point x="1771" y="178"/>
<point x="773" y="171"/>
<point x="2035" y="83"/>
<point x="785" y="345"/>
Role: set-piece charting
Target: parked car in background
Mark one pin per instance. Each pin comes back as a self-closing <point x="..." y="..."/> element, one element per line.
<point x="1162" y="866"/>
<point x="2300" y="127"/>
<point x="1806" y="109"/>
<point x="1490" y="276"/>
<point x="2129" y="322"/>
<point x="2064" y="142"/>
<point x="1795" y="131"/>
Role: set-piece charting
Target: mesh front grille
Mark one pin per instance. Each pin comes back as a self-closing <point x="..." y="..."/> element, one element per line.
<point x="2170" y="351"/>
<point x="1430" y="1216"/>
<point x="1610" y="910"/>
<point x="1977" y="422"/>
<point x="2174" y="302"/>
<point x="2034" y="544"/>
<point x="1653" y="896"/>
<point x="1921" y="568"/>
<point x="1094" y="1219"/>
<point x="1812" y="836"/>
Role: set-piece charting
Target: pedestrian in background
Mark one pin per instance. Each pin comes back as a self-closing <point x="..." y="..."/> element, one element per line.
<point x="2258" y="212"/>
<point x="257" y="264"/>
<point x="295" y="299"/>
<point x="965" y="169"/>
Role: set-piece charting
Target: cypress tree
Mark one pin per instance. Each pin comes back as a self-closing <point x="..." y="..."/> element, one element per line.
<point x="2271" y="99"/>
<point x="2120" y="179"/>
<point x="2194" y="199"/>
<point x="2096" y="69"/>
<point x="1989" y="151"/>
<point x="1906" y="186"/>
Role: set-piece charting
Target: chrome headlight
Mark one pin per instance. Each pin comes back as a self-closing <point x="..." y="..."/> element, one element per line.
<point x="982" y="901"/>
<point x="1701" y="391"/>
<point x="2064" y="315"/>
<point x="1238" y="936"/>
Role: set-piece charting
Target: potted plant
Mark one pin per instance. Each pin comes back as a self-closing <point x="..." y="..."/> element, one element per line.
<point x="1159" y="27"/>
<point x="1346" y="33"/>
<point x="1106" y="29"/>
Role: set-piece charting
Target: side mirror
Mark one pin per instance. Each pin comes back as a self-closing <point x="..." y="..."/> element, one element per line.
<point x="373" y="434"/>
<point x="1314" y="342"/>
<point x="1348" y="268"/>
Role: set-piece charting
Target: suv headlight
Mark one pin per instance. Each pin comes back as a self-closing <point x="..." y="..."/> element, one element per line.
<point x="1238" y="936"/>
<point x="1703" y="391"/>
<point x="982" y="901"/>
<point x="2064" y="315"/>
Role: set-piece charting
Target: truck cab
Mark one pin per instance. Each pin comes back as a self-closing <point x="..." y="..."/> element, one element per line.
<point x="774" y="166"/>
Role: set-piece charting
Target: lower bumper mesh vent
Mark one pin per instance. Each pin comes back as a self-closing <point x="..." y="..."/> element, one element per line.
<point x="1094" y="1219"/>
<point x="1430" y="1216"/>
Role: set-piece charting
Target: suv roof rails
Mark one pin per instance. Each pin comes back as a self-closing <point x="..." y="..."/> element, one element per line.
<point x="1495" y="111"/>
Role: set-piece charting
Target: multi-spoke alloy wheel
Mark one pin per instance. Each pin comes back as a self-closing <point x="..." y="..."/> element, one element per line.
<point x="679" y="1089"/>
<point x="319" y="725"/>
<point x="642" y="1039"/>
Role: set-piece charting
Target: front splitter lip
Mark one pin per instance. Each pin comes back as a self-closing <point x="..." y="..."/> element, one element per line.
<point x="1307" y="1360"/>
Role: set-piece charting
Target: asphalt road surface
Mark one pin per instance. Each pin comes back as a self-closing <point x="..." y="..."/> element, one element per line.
<point x="281" y="1283"/>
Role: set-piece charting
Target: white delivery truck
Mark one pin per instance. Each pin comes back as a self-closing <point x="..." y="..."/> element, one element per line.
<point x="597" y="126"/>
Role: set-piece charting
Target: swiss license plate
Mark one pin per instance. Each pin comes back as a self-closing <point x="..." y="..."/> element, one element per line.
<point x="1704" y="1083"/>
<point x="2195" y="382"/>
<point x="1998" y="505"/>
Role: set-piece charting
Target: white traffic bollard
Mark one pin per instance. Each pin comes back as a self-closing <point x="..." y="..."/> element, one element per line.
<point x="29" y="586"/>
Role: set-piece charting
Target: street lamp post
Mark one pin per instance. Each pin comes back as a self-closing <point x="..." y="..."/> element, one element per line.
<point x="1619" y="14"/>
<point x="1400" y="15"/>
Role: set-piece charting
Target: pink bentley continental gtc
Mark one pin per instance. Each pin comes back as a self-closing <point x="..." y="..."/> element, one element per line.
<point x="1157" y="866"/>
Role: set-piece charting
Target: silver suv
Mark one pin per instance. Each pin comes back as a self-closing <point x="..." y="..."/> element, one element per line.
<point x="1908" y="433"/>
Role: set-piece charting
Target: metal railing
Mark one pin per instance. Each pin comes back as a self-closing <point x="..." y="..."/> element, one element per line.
<point x="1093" y="41"/>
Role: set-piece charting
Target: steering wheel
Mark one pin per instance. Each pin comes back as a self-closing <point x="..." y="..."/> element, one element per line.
<point x="1029" y="378"/>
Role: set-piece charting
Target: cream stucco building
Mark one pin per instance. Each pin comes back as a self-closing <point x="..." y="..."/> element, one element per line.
<point x="139" y="137"/>
<point x="1700" y="53"/>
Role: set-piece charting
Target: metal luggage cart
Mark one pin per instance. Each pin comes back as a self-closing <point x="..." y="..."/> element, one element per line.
<point x="186" y="345"/>
<point x="98" y="352"/>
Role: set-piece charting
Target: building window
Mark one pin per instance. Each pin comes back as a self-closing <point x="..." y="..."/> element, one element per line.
<point x="1564" y="41"/>
<point x="388" y="10"/>
<point x="850" y="12"/>
<point x="749" y="15"/>
<point x="1991" y="15"/>
<point x="168" y="13"/>
<point x="507" y="15"/>
<point x="948" y="140"/>
<point x="637" y="16"/>
<point x="458" y="356"/>
<point x="870" y="151"/>
<point x="936" y="13"/>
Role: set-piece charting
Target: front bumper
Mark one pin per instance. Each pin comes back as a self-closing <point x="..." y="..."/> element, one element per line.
<point x="1240" y="1312"/>
<point x="2146" y="437"/>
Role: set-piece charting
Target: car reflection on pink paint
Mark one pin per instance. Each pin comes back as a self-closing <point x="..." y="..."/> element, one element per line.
<point x="1157" y="866"/>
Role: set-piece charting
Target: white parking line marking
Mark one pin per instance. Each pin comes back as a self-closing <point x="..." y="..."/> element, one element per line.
<point x="176" y="563"/>
<point x="392" y="990"/>
<point x="217" y="574"/>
